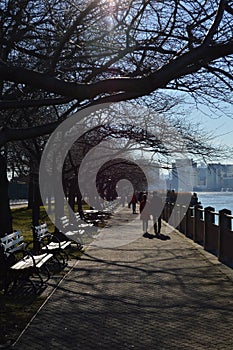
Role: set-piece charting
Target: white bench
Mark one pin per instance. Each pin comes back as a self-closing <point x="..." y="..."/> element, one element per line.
<point x="77" y="230"/>
<point x="51" y="244"/>
<point x="20" y="262"/>
<point x="72" y="232"/>
<point x="95" y="216"/>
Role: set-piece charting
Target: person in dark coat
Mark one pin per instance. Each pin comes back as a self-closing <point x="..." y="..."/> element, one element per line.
<point x="134" y="202"/>
<point x="194" y="200"/>
<point x="144" y="213"/>
<point x="156" y="211"/>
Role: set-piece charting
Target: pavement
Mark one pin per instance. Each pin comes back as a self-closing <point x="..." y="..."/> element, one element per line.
<point x="137" y="292"/>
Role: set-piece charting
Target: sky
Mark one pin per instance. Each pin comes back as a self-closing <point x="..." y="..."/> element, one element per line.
<point x="217" y="122"/>
<point x="221" y="126"/>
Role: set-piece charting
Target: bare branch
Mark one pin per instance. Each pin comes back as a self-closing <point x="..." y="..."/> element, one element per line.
<point x="159" y="79"/>
<point x="7" y="134"/>
<point x="229" y="9"/>
<point x="14" y="104"/>
<point x="213" y="29"/>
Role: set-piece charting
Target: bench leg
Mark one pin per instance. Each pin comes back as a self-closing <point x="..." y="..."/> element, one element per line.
<point x="10" y="282"/>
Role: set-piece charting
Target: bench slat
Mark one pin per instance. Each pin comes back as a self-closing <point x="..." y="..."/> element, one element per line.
<point x="56" y="245"/>
<point x="12" y="242"/>
<point x="28" y="262"/>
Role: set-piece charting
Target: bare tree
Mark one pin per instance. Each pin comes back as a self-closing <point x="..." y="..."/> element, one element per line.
<point x="73" y="54"/>
<point x="111" y="51"/>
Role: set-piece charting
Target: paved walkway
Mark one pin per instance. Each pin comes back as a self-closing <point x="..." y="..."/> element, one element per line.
<point x="146" y="294"/>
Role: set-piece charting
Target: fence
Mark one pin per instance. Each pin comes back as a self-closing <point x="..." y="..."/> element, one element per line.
<point x="211" y="229"/>
<point x="17" y="190"/>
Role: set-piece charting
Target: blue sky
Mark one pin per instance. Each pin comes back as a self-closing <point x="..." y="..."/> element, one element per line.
<point x="217" y="121"/>
<point x="219" y="124"/>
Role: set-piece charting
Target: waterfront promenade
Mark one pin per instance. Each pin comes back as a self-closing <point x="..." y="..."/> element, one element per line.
<point x="146" y="294"/>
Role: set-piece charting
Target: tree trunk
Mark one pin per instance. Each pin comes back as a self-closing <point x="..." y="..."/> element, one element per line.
<point x="36" y="200"/>
<point x="59" y="213"/>
<point x="79" y="201"/>
<point x="30" y="191"/>
<point x="49" y="210"/>
<point x="71" y="194"/>
<point x="5" y="212"/>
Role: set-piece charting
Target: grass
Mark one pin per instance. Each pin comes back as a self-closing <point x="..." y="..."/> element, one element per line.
<point x="17" y="310"/>
<point x="22" y="220"/>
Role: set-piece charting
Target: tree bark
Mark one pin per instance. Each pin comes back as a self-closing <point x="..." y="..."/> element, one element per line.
<point x="30" y="192"/>
<point x="79" y="203"/>
<point x="36" y="201"/>
<point x="5" y="217"/>
<point x="34" y="198"/>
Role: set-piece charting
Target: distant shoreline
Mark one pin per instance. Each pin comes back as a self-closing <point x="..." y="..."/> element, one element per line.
<point x="218" y="200"/>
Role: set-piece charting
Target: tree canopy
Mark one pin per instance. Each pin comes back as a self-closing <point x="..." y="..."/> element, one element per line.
<point x="59" y="57"/>
<point x="82" y="52"/>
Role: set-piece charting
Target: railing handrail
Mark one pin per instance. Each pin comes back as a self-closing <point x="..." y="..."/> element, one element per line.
<point x="228" y="215"/>
<point x="214" y="212"/>
<point x="200" y="209"/>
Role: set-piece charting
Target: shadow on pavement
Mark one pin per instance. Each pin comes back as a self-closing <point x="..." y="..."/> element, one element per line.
<point x="158" y="236"/>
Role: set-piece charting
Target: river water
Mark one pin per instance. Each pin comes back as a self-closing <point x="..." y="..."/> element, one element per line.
<point x="217" y="200"/>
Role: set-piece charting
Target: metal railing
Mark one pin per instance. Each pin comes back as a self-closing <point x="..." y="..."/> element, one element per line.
<point x="206" y="226"/>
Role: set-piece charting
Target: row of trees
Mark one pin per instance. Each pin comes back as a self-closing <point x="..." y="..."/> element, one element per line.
<point x="57" y="58"/>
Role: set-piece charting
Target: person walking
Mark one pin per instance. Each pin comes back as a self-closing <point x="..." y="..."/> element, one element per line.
<point x="156" y="211"/>
<point x="194" y="200"/>
<point x="144" y="213"/>
<point x="134" y="202"/>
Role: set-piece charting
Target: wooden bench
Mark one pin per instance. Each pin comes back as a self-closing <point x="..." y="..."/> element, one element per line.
<point x="85" y="224"/>
<point x="77" y="229"/>
<point x="51" y="244"/>
<point x="73" y="232"/>
<point x="92" y="216"/>
<point x="95" y="216"/>
<point x="22" y="264"/>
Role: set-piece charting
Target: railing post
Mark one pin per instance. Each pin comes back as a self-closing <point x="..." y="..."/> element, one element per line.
<point x="171" y="209"/>
<point x="183" y="209"/>
<point x="224" y="225"/>
<point x="186" y="219"/>
<point x="177" y="217"/>
<point x="209" y="220"/>
<point x="195" y="212"/>
<point x="187" y="214"/>
<point x="190" y="222"/>
<point x="165" y="212"/>
<point x="197" y="217"/>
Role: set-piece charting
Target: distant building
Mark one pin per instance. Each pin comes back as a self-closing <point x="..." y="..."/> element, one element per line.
<point x="184" y="175"/>
<point x="154" y="179"/>
<point x="201" y="178"/>
<point x="227" y="178"/>
<point x="215" y="177"/>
